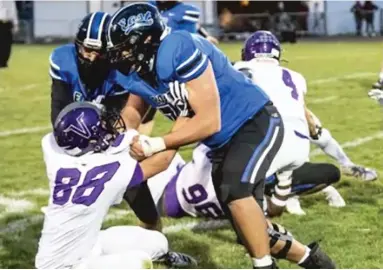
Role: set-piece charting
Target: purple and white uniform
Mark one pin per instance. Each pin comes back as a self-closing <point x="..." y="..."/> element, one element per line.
<point x="186" y="189"/>
<point x="82" y="191"/>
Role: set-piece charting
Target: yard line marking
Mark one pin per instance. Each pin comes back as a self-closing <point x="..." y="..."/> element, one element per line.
<point x="321" y="100"/>
<point x="15" y="205"/>
<point x="342" y="77"/>
<point x="351" y="144"/>
<point x="37" y="191"/>
<point x="7" y="133"/>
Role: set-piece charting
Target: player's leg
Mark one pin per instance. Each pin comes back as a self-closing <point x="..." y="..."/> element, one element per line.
<point x="132" y="259"/>
<point x="332" y="148"/>
<point x="124" y="239"/>
<point x="239" y="168"/>
<point x="311" y="178"/>
<point x="284" y="246"/>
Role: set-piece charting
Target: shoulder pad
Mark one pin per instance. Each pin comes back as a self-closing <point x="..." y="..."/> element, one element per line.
<point x="63" y="64"/>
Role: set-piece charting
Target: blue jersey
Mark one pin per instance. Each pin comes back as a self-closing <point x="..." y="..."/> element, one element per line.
<point x="181" y="17"/>
<point x="183" y="57"/>
<point x="63" y="67"/>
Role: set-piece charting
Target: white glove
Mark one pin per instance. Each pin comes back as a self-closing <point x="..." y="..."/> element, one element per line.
<point x="180" y="93"/>
<point x="376" y="94"/>
<point x="150" y="146"/>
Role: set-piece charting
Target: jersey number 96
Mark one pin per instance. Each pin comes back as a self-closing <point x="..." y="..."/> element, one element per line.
<point x="67" y="182"/>
<point x="197" y="194"/>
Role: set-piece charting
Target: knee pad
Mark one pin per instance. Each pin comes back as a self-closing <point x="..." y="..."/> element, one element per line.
<point x="279" y="233"/>
<point x="323" y="139"/>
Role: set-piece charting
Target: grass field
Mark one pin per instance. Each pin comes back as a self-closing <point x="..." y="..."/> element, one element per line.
<point x="338" y="75"/>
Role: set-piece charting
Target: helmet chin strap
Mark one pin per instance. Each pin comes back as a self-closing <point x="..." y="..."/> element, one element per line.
<point x="267" y="60"/>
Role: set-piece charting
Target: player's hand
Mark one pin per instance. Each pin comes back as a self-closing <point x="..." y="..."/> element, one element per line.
<point x="376" y="94"/>
<point x="212" y="40"/>
<point x="143" y="146"/>
<point x="136" y="150"/>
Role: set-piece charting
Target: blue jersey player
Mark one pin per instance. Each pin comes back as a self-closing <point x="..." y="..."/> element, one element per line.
<point x="227" y="112"/>
<point x="182" y="16"/>
<point x="80" y="71"/>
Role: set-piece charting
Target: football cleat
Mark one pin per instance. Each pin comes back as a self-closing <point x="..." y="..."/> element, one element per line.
<point x="357" y="171"/>
<point x="378" y="85"/>
<point x="317" y="259"/>
<point x="179" y="260"/>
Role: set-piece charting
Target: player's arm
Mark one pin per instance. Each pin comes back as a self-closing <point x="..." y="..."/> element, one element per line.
<point x="61" y="92"/>
<point x="60" y="97"/>
<point x="139" y="198"/>
<point x="134" y="111"/>
<point x="202" y="31"/>
<point x="204" y="100"/>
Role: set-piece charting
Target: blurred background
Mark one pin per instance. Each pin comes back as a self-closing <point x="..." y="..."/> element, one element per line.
<point x="56" y="21"/>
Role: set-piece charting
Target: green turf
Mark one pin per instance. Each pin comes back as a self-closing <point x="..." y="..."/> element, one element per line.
<point x="352" y="235"/>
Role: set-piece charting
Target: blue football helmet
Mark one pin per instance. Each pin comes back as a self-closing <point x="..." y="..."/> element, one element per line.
<point x="91" y="40"/>
<point x="134" y="36"/>
<point x="261" y="44"/>
<point x="82" y="127"/>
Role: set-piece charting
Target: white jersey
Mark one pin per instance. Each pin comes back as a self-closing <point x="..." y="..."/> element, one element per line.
<point x="82" y="190"/>
<point x="186" y="189"/>
<point x="285" y="87"/>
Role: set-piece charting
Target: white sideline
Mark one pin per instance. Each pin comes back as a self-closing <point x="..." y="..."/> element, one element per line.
<point x="351" y="144"/>
<point x="15" y="205"/>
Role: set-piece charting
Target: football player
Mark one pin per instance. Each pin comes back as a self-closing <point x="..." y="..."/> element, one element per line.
<point x="286" y="88"/>
<point x="181" y="16"/>
<point x="178" y="16"/>
<point x="139" y="41"/>
<point x="89" y="170"/>
<point x="80" y="70"/>
<point x="186" y="189"/>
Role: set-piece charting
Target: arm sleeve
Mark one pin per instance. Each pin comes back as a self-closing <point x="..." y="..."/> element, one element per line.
<point x="187" y="63"/>
<point x="141" y="201"/>
<point x="60" y="97"/>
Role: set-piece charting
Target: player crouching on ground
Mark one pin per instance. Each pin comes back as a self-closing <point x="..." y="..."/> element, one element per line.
<point x="89" y="170"/>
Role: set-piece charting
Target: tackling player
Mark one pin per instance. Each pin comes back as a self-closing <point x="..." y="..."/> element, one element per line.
<point x="89" y="170"/>
<point x="138" y="41"/>
<point x="81" y="72"/>
<point x="186" y="189"/>
<point x="178" y="16"/>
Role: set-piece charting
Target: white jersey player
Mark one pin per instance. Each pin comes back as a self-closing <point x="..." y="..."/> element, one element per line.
<point x="88" y="172"/>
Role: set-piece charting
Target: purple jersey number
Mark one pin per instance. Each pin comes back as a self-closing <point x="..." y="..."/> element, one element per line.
<point x="198" y="194"/>
<point x="94" y="181"/>
<point x="288" y="81"/>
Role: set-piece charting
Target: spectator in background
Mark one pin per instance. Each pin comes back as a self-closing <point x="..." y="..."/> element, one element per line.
<point x="369" y="10"/>
<point x="357" y="9"/>
<point x="285" y="25"/>
<point x="9" y="25"/>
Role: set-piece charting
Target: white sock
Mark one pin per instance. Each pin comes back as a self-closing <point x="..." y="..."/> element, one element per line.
<point x="307" y="254"/>
<point x="332" y="148"/>
<point x="265" y="261"/>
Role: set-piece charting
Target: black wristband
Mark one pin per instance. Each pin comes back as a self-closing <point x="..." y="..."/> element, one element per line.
<point x="203" y="32"/>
